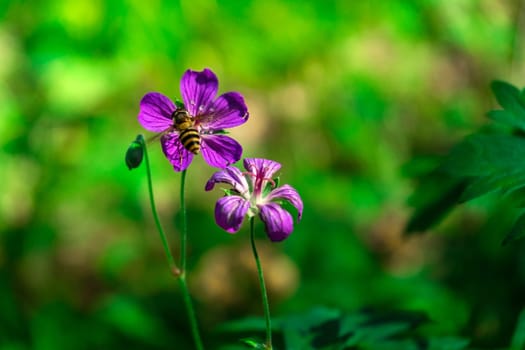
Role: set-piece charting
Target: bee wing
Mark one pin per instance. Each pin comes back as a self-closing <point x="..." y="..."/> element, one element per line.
<point x="153" y="138"/>
<point x="205" y="119"/>
<point x="178" y="156"/>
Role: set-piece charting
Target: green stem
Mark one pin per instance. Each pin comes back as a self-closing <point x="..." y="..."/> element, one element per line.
<point x="169" y="256"/>
<point x="184" y="225"/>
<point x="266" y="305"/>
<point x="182" y="277"/>
<point x="179" y="273"/>
<point x="191" y="312"/>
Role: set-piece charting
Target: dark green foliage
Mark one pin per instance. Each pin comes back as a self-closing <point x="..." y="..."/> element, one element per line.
<point x="253" y="344"/>
<point x="512" y="101"/>
<point x="487" y="161"/>
<point x="322" y="328"/>
<point x="441" y="193"/>
<point x="517" y="231"/>
<point x="518" y="339"/>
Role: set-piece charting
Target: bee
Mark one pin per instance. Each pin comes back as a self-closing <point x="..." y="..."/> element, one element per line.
<point x="184" y="123"/>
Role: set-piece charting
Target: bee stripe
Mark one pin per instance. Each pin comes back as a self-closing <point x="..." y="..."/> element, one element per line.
<point x="191" y="140"/>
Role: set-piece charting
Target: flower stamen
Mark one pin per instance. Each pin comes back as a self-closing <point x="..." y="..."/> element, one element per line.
<point x="258" y="179"/>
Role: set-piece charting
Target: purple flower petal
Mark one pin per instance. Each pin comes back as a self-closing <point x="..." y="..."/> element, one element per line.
<point x="155" y="112"/>
<point x="278" y="222"/>
<point x="230" y="212"/>
<point x="262" y="168"/>
<point x="220" y="150"/>
<point x="198" y="90"/>
<point x="228" y="110"/>
<point x="231" y="176"/>
<point x="178" y="156"/>
<point x="289" y="194"/>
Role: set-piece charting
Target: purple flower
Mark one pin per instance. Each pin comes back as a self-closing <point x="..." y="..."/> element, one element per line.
<point x="199" y="125"/>
<point x="254" y="192"/>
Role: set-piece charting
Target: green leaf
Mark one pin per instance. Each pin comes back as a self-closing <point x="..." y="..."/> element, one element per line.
<point x="517" y="196"/>
<point x="503" y="182"/>
<point x="232" y="347"/>
<point x="393" y="345"/>
<point x="517" y="231"/>
<point x="518" y="338"/>
<point x="489" y="162"/>
<point x="433" y="199"/>
<point x="253" y="343"/>
<point x="300" y="331"/>
<point x="482" y="163"/>
<point x="448" y="343"/>
<point x="508" y="118"/>
<point x="509" y="97"/>
<point x="435" y="195"/>
<point x="378" y="326"/>
<point x="485" y="154"/>
<point x="505" y="93"/>
<point x="329" y="329"/>
<point x="376" y="333"/>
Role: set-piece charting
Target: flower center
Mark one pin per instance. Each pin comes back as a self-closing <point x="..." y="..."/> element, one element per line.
<point x="259" y="183"/>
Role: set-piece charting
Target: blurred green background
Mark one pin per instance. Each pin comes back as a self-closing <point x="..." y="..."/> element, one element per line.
<point x="343" y="93"/>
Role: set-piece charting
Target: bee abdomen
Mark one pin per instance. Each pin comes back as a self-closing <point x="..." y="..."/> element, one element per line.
<point x="191" y="140"/>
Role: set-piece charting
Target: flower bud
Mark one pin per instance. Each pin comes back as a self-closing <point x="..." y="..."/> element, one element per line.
<point x="135" y="153"/>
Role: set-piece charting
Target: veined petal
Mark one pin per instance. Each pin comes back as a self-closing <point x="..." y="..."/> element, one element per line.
<point x="278" y="222"/>
<point x="178" y="156"/>
<point x="198" y="90"/>
<point x="220" y="150"/>
<point x="288" y="193"/>
<point x="262" y="168"/>
<point x="231" y="176"/>
<point x="155" y="112"/>
<point x="228" y="110"/>
<point x="230" y="212"/>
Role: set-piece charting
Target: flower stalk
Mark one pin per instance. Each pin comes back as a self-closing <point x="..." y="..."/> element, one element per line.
<point x="183" y="222"/>
<point x="171" y="261"/>
<point x="266" y="304"/>
<point x="179" y="272"/>
<point x="182" y="276"/>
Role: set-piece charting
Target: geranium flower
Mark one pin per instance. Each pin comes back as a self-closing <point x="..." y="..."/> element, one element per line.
<point x="207" y="117"/>
<point x="255" y="193"/>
